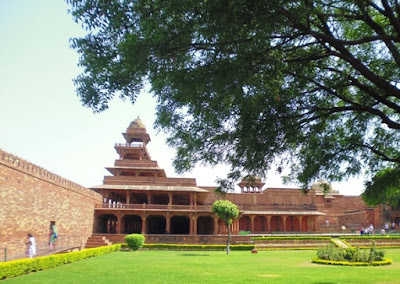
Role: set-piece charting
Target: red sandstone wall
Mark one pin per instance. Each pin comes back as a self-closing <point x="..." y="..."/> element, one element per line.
<point x="31" y="197"/>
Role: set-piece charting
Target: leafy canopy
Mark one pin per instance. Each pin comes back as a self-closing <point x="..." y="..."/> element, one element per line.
<point x="226" y="210"/>
<point x="309" y="85"/>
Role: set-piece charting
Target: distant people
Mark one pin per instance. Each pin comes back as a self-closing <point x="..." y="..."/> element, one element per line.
<point x="393" y="226"/>
<point x="361" y="231"/>
<point x="52" y="237"/>
<point x="383" y="232"/>
<point x="31" y="246"/>
<point x="387" y="226"/>
<point x="371" y="229"/>
<point x="327" y="223"/>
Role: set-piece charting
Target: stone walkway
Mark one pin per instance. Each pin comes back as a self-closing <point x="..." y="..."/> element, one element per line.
<point x="339" y="243"/>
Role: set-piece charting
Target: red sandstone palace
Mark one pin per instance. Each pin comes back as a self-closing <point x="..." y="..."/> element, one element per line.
<point x="139" y="198"/>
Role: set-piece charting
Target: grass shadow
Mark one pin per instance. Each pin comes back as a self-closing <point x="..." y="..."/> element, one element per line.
<point x="194" y="254"/>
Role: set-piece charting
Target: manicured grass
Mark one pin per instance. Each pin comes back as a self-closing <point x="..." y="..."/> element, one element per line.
<point x="212" y="267"/>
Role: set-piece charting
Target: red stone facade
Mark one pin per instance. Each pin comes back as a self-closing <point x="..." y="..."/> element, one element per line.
<point x="31" y="197"/>
<point x="138" y="197"/>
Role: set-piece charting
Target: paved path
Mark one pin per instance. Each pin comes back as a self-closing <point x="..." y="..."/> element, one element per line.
<point x="339" y="243"/>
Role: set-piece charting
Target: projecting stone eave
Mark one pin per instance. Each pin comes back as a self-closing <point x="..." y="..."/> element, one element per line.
<point x="277" y="212"/>
<point x="159" y="172"/>
<point x="150" y="188"/>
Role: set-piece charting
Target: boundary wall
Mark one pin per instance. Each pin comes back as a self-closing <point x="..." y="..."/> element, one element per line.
<point x="31" y="197"/>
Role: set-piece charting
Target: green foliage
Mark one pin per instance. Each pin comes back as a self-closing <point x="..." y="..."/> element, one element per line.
<point x="292" y="238"/>
<point x="134" y="241"/>
<point x="252" y="83"/>
<point x="20" y="267"/>
<point x="350" y="254"/>
<point x="384" y="188"/>
<point x="226" y="210"/>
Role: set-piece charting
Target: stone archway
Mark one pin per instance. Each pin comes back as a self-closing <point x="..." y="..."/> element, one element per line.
<point x="180" y="225"/>
<point x="205" y="225"/>
<point x="132" y="224"/>
<point x="244" y="223"/>
<point x="292" y="224"/>
<point x="260" y="224"/>
<point x="107" y="224"/>
<point x="156" y="224"/>
<point x="276" y="224"/>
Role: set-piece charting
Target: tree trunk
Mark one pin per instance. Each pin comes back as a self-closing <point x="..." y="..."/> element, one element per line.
<point x="229" y="237"/>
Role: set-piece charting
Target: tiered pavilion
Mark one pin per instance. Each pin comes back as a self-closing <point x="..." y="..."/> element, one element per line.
<point x="140" y="198"/>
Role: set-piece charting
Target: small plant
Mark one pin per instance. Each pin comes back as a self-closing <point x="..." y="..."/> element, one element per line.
<point x="134" y="241"/>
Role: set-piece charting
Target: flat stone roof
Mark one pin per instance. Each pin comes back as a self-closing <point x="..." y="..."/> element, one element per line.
<point x="150" y="188"/>
<point x="276" y="212"/>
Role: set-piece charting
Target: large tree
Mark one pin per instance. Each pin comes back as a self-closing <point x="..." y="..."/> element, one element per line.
<point x="308" y="85"/>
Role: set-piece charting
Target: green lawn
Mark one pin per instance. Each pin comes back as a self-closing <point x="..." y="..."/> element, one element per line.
<point x="212" y="267"/>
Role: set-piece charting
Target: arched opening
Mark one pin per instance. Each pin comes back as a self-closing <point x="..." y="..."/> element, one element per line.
<point x="180" y="225"/>
<point x="292" y="224"/>
<point x="205" y="225"/>
<point x="160" y="199"/>
<point x="132" y="224"/>
<point x="156" y="224"/>
<point x="260" y="224"/>
<point x="107" y="224"/>
<point x="244" y="223"/>
<point x="276" y="224"/>
<point x="138" y="198"/>
<point x="181" y="199"/>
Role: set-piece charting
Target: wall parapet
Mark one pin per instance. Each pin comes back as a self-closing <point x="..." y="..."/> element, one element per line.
<point x="41" y="173"/>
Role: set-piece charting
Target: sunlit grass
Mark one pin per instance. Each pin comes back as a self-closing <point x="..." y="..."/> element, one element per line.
<point x="212" y="267"/>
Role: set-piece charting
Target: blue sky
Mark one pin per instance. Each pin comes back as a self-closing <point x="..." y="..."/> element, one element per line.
<point x="41" y="117"/>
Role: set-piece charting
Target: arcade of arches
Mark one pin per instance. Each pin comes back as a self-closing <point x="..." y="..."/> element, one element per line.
<point x="170" y="223"/>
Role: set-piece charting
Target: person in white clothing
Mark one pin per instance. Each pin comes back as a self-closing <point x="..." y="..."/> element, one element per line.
<point x="31" y="246"/>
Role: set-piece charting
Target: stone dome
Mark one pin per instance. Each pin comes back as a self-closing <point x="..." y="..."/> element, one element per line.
<point x="137" y="123"/>
<point x="251" y="178"/>
<point x="320" y="185"/>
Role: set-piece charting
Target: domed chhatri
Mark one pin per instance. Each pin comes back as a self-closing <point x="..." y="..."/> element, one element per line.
<point x="137" y="123"/>
<point x="136" y="132"/>
<point x="251" y="184"/>
<point x="323" y="187"/>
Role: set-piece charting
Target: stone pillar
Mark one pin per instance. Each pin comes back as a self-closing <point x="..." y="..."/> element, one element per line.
<point x="301" y="223"/>
<point x="119" y="223"/>
<point x="193" y="225"/>
<point x="144" y="229"/>
<point x="215" y="225"/>
<point x="128" y="197"/>
<point x="167" y="223"/>
<point x="148" y="198"/>
<point x="170" y="198"/>
<point x="252" y="217"/>
<point x="284" y="223"/>
<point x="268" y="225"/>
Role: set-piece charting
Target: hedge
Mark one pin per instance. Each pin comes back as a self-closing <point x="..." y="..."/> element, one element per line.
<point x="370" y="237"/>
<point x="291" y="238"/>
<point x="385" y="261"/>
<point x="24" y="266"/>
<point x="192" y="247"/>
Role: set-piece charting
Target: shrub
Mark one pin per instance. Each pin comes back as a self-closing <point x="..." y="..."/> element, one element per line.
<point x="19" y="267"/>
<point x="134" y="241"/>
<point x="350" y="254"/>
